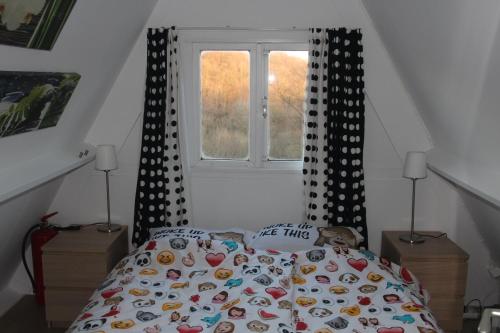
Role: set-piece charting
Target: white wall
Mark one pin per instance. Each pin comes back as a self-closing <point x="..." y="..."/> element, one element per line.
<point x="18" y="215"/>
<point x="94" y="43"/>
<point x="254" y="200"/>
<point x="442" y="50"/>
<point x="447" y="54"/>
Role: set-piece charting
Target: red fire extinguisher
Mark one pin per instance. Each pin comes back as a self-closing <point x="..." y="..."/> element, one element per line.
<point x="43" y="233"/>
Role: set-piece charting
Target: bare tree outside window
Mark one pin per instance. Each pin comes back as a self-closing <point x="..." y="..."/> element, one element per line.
<point x="225" y="102"/>
<point x="286" y="95"/>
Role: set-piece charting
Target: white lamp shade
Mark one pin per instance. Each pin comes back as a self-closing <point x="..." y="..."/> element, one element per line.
<point x="105" y="158"/>
<point x="415" y="165"/>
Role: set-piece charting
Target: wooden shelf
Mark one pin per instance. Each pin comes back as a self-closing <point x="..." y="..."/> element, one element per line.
<point x="483" y="182"/>
<point x="37" y="171"/>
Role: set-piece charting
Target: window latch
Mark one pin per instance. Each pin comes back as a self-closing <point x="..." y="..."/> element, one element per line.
<point x="264" y="107"/>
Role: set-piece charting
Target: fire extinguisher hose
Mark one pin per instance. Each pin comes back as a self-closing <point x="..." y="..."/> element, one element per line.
<point x="23" y="255"/>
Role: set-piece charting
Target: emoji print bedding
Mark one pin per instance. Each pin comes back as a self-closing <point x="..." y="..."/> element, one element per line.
<point x="221" y="286"/>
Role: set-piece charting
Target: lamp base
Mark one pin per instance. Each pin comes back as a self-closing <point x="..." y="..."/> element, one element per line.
<point x="408" y="239"/>
<point x="109" y="227"/>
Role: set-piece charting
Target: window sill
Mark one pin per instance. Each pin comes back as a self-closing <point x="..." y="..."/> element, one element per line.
<point x="237" y="171"/>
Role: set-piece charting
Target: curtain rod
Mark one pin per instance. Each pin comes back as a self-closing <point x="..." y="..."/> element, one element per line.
<point x="227" y="27"/>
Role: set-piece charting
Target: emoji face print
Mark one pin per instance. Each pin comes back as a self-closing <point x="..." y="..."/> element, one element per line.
<point x="298" y="280"/>
<point x="367" y="288"/>
<point x="338" y="290"/>
<point x="179" y="285"/>
<point x="171" y="306"/>
<point x="236" y="313"/>
<point x="122" y="324"/>
<point x="259" y="301"/>
<point x="145" y="316"/>
<point x="230" y="304"/>
<point x="307" y="269"/>
<point x="338" y="323"/>
<point x="263" y="279"/>
<point x="240" y="259"/>
<point x="349" y="278"/>
<point x="223" y="274"/>
<point x="305" y="301"/>
<point x="411" y="307"/>
<point x="165" y="257"/>
<point x="320" y="312"/>
<point x="143" y="259"/>
<point x="91" y="325"/>
<point x="224" y="327"/>
<point x="392" y="298"/>
<point x="148" y="271"/>
<point x="316" y="255"/>
<point x="257" y="326"/>
<point x="284" y="304"/>
<point x="141" y="303"/>
<point x="351" y="310"/>
<point x="173" y="274"/>
<point x="138" y="292"/>
<point x="220" y="298"/>
<point x="250" y="270"/>
<point x="322" y="279"/>
<point x="266" y="260"/>
<point x="374" y="277"/>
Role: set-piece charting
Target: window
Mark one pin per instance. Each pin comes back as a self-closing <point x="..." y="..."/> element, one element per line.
<point x="286" y="87"/>
<point x="248" y="101"/>
<point x="225" y="104"/>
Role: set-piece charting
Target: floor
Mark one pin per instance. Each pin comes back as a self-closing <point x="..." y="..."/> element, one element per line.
<point x="26" y="317"/>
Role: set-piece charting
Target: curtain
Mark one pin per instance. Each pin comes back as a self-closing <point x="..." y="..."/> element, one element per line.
<point x="161" y="198"/>
<point x="334" y="130"/>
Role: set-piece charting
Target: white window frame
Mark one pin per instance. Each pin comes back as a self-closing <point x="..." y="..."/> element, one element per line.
<point x="258" y="44"/>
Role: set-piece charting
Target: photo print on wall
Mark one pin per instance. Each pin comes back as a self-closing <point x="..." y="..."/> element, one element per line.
<point x="33" y="24"/>
<point x="30" y="101"/>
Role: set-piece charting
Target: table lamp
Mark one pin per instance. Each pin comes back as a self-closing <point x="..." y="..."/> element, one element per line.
<point x="415" y="168"/>
<point x="105" y="160"/>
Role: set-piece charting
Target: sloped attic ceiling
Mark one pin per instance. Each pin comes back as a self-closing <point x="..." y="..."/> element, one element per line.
<point x="95" y="42"/>
<point x="448" y="55"/>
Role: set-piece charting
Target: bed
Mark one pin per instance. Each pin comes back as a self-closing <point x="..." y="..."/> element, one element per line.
<point x="189" y="285"/>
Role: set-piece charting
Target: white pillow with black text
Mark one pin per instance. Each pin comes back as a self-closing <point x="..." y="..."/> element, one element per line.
<point x="297" y="237"/>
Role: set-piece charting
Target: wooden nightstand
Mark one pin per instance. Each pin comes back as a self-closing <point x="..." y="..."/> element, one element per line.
<point x="75" y="263"/>
<point x="441" y="266"/>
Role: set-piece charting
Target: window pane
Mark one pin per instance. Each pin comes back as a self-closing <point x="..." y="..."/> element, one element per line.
<point x="225" y="101"/>
<point x="286" y="98"/>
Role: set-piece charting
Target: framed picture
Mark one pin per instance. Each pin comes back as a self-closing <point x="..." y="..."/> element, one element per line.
<point x="30" y="101"/>
<point x="33" y="23"/>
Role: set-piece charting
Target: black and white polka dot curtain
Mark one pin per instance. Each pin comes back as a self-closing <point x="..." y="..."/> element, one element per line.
<point x="161" y="198"/>
<point x="333" y="149"/>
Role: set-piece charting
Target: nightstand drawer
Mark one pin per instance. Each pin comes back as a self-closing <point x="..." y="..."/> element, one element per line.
<point x="430" y="274"/>
<point x="63" y="305"/>
<point x="73" y="270"/>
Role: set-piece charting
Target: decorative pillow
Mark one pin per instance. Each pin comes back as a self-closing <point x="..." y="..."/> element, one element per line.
<point x="236" y="234"/>
<point x="296" y="237"/>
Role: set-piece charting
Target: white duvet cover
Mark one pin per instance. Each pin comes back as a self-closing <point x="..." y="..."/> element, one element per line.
<point x="191" y="286"/>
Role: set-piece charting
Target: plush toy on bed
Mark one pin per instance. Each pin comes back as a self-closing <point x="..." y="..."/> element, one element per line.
<point x="228" y="235"/>
<point x="337" y="236"/>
